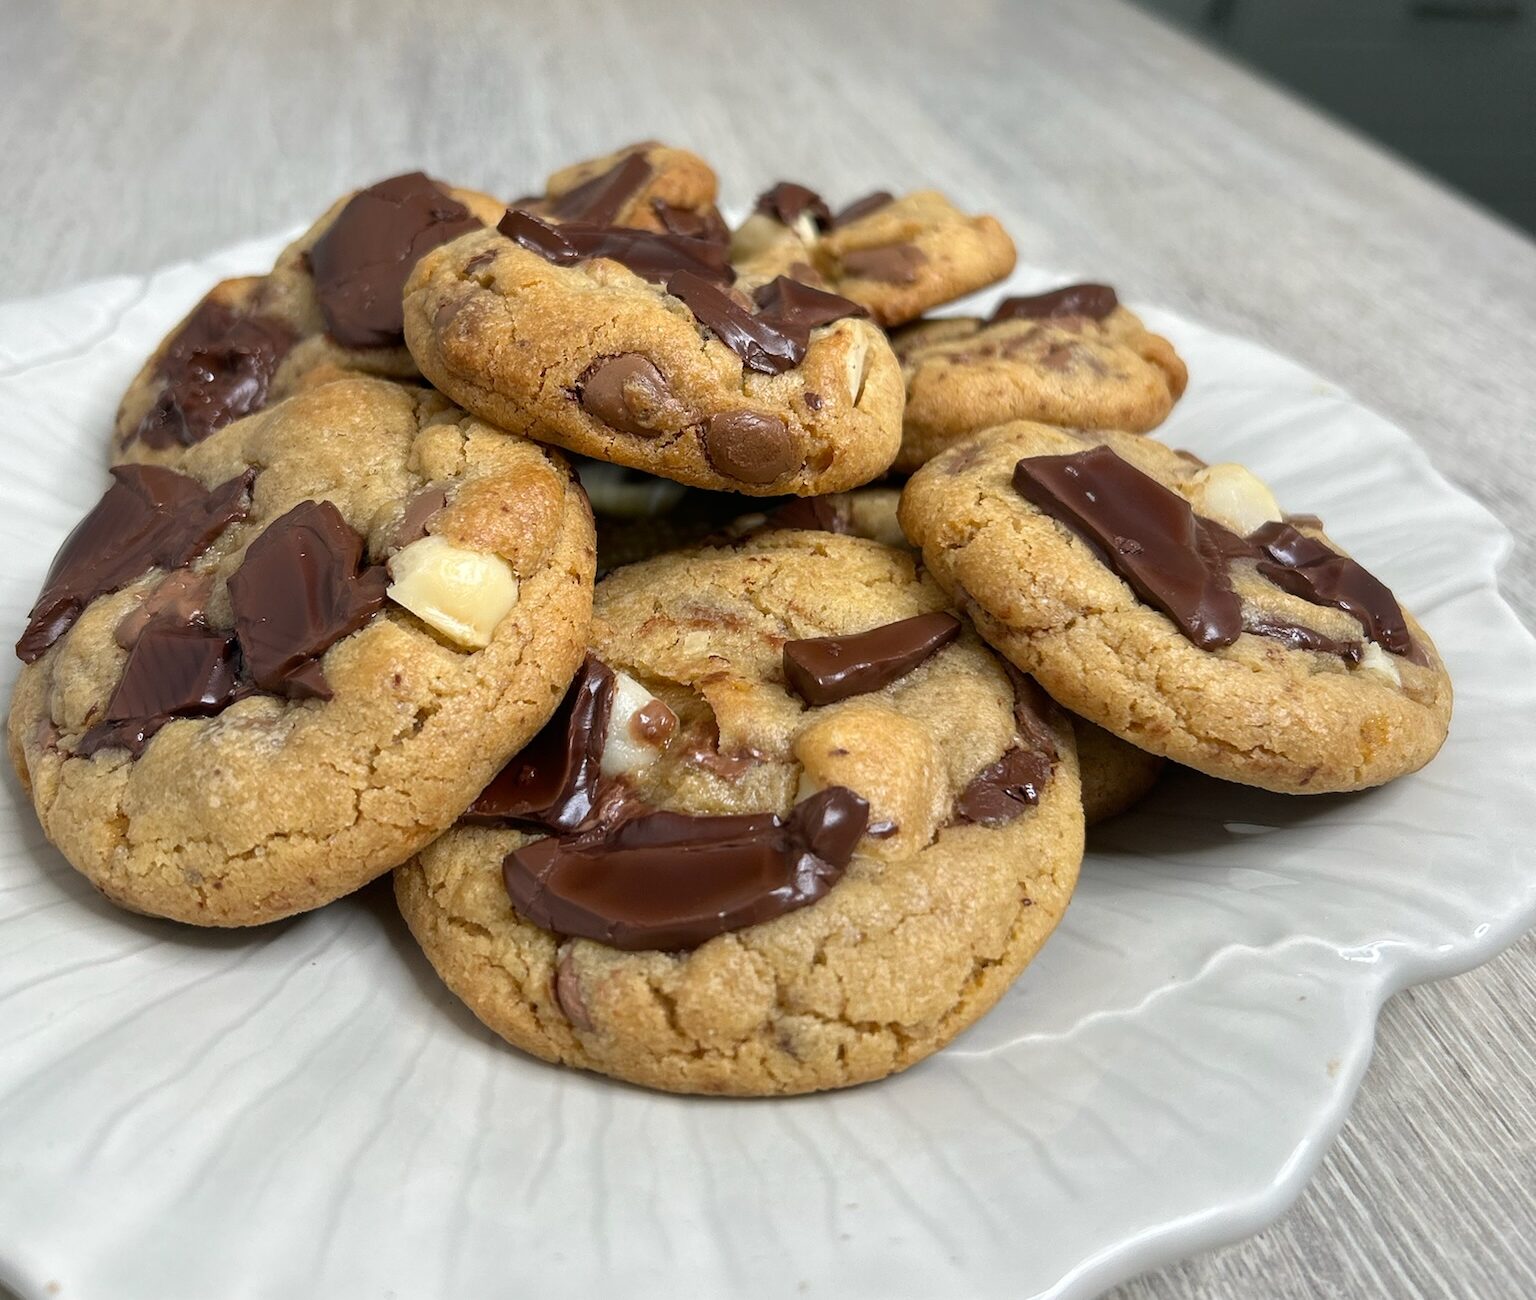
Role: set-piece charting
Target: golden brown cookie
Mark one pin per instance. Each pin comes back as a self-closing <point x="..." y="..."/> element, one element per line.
<point x="929" y="830"/>
<point x="1073" y="357"/>
<point x="331" y="303"/>
<point x="256" y="682"/>
<point x="1116" y="776"/>
<point x="1198" y="622"/>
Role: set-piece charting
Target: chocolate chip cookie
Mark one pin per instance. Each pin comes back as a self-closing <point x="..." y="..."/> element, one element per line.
<point x="793" y="828"/>
<point x="258" y="680"/>
<point x="331" y="304"/>
<point x="896" y="257"/>
<point x="1173" y="603"/>
<point x="1073" y="357"/>
<point x="633" y="347"/>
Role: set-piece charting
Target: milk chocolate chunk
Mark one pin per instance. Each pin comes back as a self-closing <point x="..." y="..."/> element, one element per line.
<point x="863" y="207"/>
<point x="420" y="509"/>
<point x="668" y="881"/>
<point x="1146" y="532"/>
<point x="553" y="781"/>
<point x="890" y="264"/>
<point x="216" y="368"/>
<point x="999" y="793"/>
<point x="786" y="202"/>
<point x="775" y="337"/>
<point x="361" y="263"/>
<point x="302" y="586"/>
<point x="177" y="669"/>
<point x="150" y="517"/>
<point x="749" y="446"/>
<point x="825" y="669"/>
<point x="1094" y="301"/>
<point x="652" y="255"/>
<point x="626" y="392"/>
<point x="601" y="199"/>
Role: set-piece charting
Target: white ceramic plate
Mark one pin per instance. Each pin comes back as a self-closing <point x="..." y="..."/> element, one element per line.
<point x="304" y="1111"/>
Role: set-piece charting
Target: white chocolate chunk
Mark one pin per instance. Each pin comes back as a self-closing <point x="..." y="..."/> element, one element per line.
<point x="1234" y="496"/>
<point x="627" y="748"/>
<point x="856" y="361"/>
<point x="805" y="226"/>
<point x="1373" y="659"/>
<point x="461" y="593"/>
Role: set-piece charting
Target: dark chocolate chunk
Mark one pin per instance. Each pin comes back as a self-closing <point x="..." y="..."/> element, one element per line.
<point x="890" y="264"/>
<point x="361" y="263"/>
<point x="862" y="207"/>
<point x="181" y="594"/>
<point x="150" y="517"/>
<point x="302" y="586"/>
<point x="825" y="669"/>
<point x="1296" y="637"/>
<point x="787" y="201"/>
<point x="775" y="337"/>
<point x="814" y="514"/>
<point x="999" y="793"/>
<point x="177" y="669"/>
<point x="600" y="200"/>
<point x="418" y="513"/>
<point x="626" y="392"/>
<point x="1094" y="301"/>
<point x="749" y="446"/>
<point x="216" y="368"/>
<point x="1308" y="568"/>
<point x="1147" y="533"/>
<point x="707" y="225"/>
<point x="554" y="780"/>
<point x="650" y="254"/>
<point x="670" y="882"/>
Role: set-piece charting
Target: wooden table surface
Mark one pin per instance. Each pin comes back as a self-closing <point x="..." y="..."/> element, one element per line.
<point x="141" y="133"/>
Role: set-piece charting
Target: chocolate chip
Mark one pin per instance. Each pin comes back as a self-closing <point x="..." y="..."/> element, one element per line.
<point x="825" y="669"/>
<point x="891" y="264"/>
<point x="360" y="265"/>
<point x="301" y="587"/>
<point x="1094" y="301"/>
<point x="479" y="261"/>
<point x="812" y="400"/>
<point x="749" y="446"/>
<point x="628" y="393"/>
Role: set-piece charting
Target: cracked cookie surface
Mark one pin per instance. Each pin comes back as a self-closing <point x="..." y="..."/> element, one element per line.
<point x="931" y="920"/>
<point x="1258" y="710"/>
<point x="285" y="799"/>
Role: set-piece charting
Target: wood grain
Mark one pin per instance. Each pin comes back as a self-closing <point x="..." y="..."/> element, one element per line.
<point x="141" y="133"/>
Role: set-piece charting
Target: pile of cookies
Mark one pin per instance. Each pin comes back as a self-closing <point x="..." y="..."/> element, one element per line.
<point x="891" y="606"/>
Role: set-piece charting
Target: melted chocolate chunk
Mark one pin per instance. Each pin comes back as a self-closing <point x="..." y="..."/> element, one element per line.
<point x="775" y="337"/>
<point x="361" y="263"/>
<point x="178" y="668"/>
<point x="708" y="225"/>
<point x="626" y="392"/>
<point x="600" y="200"/>
<point x="1308" y="568"/>
<point x="1147" y="533"/>
<point x="891" y="264"/>
<point x="649" y="254"/>
<point x="862" y="207"/>
<point x="215" y="369"/>
<point x="553" y="782"/>
<point x="181" y="594"/>
<point x="302" y="586"/>
<point x="670" y="882"/>
<point x="786" y="202"/>
<point x="749" y="446"/>
<point x="825" y="669"/>
<point x="999" y="793"/>
<point x="1296" y="637"/>
<point x="1094" y="301"/>
<point x="150" y="517"/>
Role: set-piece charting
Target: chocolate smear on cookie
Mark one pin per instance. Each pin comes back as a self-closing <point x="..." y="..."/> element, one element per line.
<point x="600" y="200"/>
<point x="825" y="669"/>
<point x="1095" y="301"/>
<point x="149" y="518"/>
<point x="652" y="255"/>
<point x="890" y="263"/>
<point x="216" y="368"/>
<point x="669" y="881"/>
<point x="553" y="782"/>
<point x="787" y="202"/>
<point x="302" y="586"/>
<point x="775" y="337"/>
<point x="361" y="263"/>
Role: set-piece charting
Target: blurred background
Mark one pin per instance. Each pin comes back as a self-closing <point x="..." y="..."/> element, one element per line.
<point x="1449" y="84"/>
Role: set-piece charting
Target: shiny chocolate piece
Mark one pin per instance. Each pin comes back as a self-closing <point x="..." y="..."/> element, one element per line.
<point x="626" y="392"/>
<point x="302" y="586"/>
<point x="1094" y="301"/>
<point x="654" y="723"/>
<point x="600" y="200"/>
<point x="216" y="368"/>
<point x="181" y="594"/>
<point x="670" y="882"/>
<point x="775" y="337"/>
<point x="553" y="782"/>
<point x="149" y="518"/>
<point x="652" y="255"/>
<point x="1295" y="637"/>
<point x="862" y="208"/>
<point x="1310" y="569"/>
<point x="787" y="202"/>
<point x="1001" y="792"/>
<point x="420" y="509"/>
<point x="1147" y="533"/>
<point x="825" y="669"/>
<point x="708" y="225"/>
<point x="749" y="446"/>
<point x="360" y="265"/>
<point x="890" y="264"/>
<point x="178" y="668"/>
